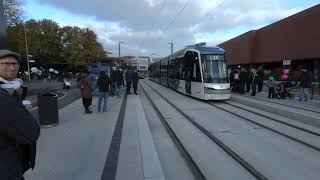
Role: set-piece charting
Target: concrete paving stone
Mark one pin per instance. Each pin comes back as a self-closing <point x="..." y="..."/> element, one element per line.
<point x="212" y="160"/>
<point x="150" y="159"/>
<point x="293" y="113"/>
<point x="301" y="135"/>
<point x="258" y="146"/>
<point x="138" y="157"/>
<point x="172" y="163"/>
<point x="278" y="117"/>
<point x="276" y="156"/>
<point x="311" y="105"/>
<point x="78" y="146"/>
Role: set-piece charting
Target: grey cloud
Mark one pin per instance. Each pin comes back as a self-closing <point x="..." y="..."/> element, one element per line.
<point x="145" y="28"/>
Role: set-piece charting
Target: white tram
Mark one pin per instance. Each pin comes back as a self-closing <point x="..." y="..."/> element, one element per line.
<point x="196" y="70"/>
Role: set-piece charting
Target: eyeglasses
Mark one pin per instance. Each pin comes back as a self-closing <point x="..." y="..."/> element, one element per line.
<point x="9" y="64"/>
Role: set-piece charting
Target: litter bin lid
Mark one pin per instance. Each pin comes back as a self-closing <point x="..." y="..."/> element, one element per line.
<point x="49" y="94"/>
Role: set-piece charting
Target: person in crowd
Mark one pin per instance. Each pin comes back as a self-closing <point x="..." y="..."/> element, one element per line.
<point x="86" y="91"/>
<point x="271" y="84"/>
<point x="103" y="84"/>
<point x="254" y="80"/>
<point x="135" y="80"/>
<point x="260" y="76"/>
<point x="305" y="83"/>
<point x="117" y="79"/>
<point x="248" y="82"/>
<point x="19" y="130"/>
<point x="129" y="75"/>
<point x="242" y="78"/>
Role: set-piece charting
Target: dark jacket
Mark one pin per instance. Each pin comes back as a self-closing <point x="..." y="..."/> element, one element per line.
<point x="129" y="75"/>
<point x="117" y="77"/>
<point x="243" y="76"/>
<point x="19" y="132"/>
<point x="135" y="78"/>
<point x="103" y="83"/>
<point x="306" y="79"/>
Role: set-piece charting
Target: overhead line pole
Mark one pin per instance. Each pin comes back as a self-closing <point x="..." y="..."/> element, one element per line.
<point x="3" y="27"/>
<point x="171" y="47"/>
<point x="27" y="50"/>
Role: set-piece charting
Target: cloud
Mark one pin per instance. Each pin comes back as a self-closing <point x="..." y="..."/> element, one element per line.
<point x="147" y="26"/>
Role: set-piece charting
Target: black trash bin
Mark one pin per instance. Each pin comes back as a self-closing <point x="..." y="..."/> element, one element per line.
<point x="48" y="109"/>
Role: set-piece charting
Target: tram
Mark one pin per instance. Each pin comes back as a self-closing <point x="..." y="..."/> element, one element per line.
<point x="197" y="70"/>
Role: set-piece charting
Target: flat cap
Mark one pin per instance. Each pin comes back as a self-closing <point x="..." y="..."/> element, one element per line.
<point x="5" y="53"/>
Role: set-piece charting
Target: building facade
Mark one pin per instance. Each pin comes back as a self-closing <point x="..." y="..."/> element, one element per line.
<point x="296" y="38"/>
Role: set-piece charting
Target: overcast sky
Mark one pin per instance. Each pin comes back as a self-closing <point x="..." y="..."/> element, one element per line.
<point x="147" y="26"/>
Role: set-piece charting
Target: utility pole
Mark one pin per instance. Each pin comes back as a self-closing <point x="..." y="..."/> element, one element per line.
<point x="119" y="48"/>
<point x="27" y="49"/>
<point x="3" y="27"/>
<point x="171" y="47"/>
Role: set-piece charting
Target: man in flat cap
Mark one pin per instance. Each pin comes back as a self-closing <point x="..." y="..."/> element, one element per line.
<point x="19" y="130"/>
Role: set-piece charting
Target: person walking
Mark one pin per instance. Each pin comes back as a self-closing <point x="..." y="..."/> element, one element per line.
<point x="86" y="91"/>
<point x="103" y="84"/>
<point x="305" y="83"/>
<point x="253" y="77"/>
<point x="271" y="84"/>
<point x="117" y="79"/>
<point x="242" y="79"/>
<point x="129" y="75"/>
<point x="248" y="80"/>
<point x="135" y="80"/>
<point x="19" y="130"/>
<point x="260" y="78"/>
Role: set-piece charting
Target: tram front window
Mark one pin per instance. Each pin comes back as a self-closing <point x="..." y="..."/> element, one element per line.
<point x="214" y="69"/>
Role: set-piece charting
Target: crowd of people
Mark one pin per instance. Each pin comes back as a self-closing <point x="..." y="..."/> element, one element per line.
<point x="252" y="80"/>
<point x="107" y="86"/>
<point x="245" y="80"/>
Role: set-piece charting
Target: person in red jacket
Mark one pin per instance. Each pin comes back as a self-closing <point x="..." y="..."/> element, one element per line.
<point x="19" y="130"/>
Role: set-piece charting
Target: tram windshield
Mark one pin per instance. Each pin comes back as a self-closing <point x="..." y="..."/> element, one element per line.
<point x="214" y="68"/>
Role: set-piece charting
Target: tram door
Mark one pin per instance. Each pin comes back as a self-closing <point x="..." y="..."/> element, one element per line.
<point x="188" y="71"/>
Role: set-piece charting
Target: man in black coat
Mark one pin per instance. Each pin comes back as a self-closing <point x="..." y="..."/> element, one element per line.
<point x="242" y="78"/>
<point x="19" y="130"/>
<point x="305" y="83"/>
<point x="260" y="73"/>
<point x="117" y="80"/>
<point x="135" y="80"/>
<point x="129" y="75"/>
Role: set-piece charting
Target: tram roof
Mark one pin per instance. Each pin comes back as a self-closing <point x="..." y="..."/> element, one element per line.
<point x="201" y="49"/>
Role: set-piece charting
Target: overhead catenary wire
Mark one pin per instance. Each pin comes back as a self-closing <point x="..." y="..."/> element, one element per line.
<point x="179" y="13"/>
<point x="163" y="4"/>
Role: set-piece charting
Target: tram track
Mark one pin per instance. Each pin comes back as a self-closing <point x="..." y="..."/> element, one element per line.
<point x="192" y="165"/>
<point x="275" y="120"/>
<point x="271" y="129"/>
<point x="246" y="165"/>
<point x="286" y="105"/>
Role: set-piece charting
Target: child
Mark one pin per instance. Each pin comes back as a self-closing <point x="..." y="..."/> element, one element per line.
<point x="272" y="87"/>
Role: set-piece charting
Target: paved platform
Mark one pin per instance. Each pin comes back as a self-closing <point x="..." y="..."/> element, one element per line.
<point x="78" y="147"/>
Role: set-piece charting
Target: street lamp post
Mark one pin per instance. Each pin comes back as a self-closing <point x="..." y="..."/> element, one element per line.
<point x="27" y="50"/>
<point x="171" y="47"/>
<point x="119" y="48"/>
<point x="3" y="27"/>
